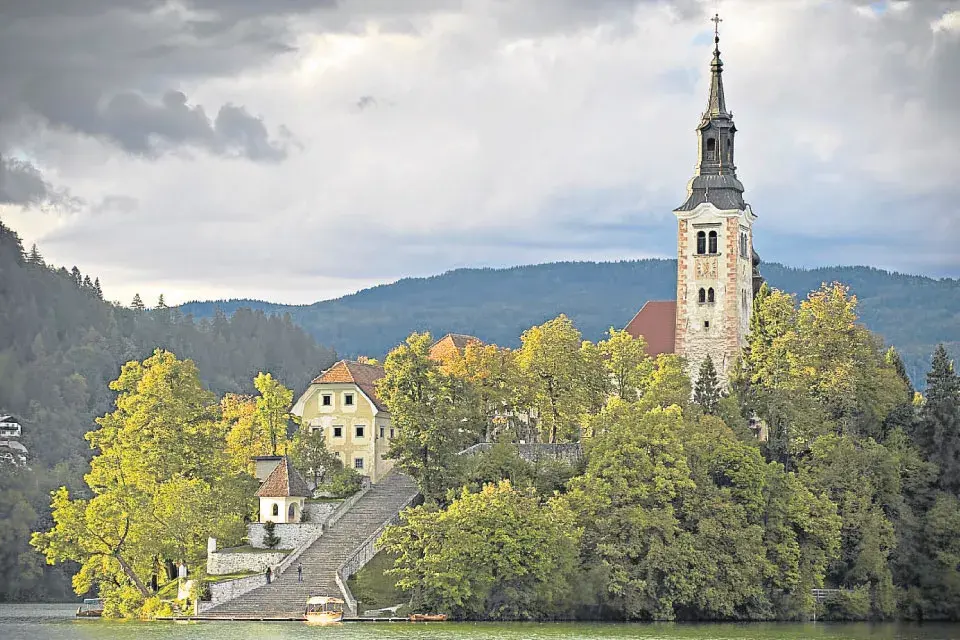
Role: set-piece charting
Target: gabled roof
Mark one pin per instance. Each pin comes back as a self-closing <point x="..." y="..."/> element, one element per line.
<point x="284" y="482"/>
<point x="657" y="323"/>
<point x="361" y="374"/>
<point x="450" y="344"/>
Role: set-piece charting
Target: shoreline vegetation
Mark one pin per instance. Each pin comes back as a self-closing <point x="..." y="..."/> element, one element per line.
<point x="677" y="510"/>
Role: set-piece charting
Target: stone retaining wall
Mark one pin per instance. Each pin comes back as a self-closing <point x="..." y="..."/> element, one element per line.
<point x="570" y="453"/>
<point x="221" y="592"/>
<point x="318" y="512"/>
<point x="224" y="562"/>
<point x="291" y="535"/>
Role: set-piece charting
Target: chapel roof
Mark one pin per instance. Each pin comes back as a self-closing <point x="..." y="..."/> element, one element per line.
<point x="284" y="482"/>
<point x="657" y="323"/>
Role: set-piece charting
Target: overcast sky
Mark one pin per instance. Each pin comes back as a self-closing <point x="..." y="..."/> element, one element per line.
<point x="296" y="150"/>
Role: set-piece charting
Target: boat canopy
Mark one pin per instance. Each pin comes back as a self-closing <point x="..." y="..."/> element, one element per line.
<point x="323" y="600"/>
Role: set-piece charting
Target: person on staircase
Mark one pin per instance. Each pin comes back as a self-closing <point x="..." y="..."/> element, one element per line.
<point x="299" y="572"/>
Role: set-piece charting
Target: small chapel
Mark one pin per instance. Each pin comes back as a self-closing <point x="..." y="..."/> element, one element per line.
<point x="718" y="271"/>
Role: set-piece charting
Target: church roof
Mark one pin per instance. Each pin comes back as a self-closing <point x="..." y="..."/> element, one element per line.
<point x="657" y="323"/>
<point x="450" y="344"/>
<point x="362" y="374"/>
<point x="284" y="482"/>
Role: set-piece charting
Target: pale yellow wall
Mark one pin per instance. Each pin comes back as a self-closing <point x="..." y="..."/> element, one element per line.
<point x="348" y="446"/>
<point x="283" y="508"/>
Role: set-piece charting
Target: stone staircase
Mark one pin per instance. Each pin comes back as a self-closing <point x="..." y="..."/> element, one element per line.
<point x="285" y="596"/>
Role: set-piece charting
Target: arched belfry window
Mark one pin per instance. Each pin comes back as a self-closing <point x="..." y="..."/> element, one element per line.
<point x="711" y="149"/>
<point x="701" y="242"/>
<point x="702" y="296"/>
<point x="276" y="509"/>
<point x="713" y="242"/>
<point x="711" y="297"/>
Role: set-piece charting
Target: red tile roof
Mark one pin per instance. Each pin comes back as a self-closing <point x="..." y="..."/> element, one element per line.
<point x="361" y="374"/>
<point x="284" y="482"/>
<point x="657" y="323"/>
<point x="450" y="344"/>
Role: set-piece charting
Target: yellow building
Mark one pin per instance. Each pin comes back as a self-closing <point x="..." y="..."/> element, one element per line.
<point x="342" y="402"/>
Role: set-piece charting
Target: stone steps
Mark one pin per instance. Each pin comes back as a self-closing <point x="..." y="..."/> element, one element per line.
<point x="285" y="596"/>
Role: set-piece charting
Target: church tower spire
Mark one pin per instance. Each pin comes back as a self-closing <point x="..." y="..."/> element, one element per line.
<point x="715" y="258"/>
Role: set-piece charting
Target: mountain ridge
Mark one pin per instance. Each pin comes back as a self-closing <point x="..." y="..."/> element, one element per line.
<point x="911" y="312"/>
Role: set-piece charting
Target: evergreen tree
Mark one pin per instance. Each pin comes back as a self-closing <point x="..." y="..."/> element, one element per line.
<point x="707" y="391"/>
<point x="35" y="257"/>
<point x="87" y="283"/>
<point x="160" y="303"/>
<point x="938" y="430"/>
<point x="137" y="304"/>
<point x="75" y="274"/>
<point x="96" y="288"/>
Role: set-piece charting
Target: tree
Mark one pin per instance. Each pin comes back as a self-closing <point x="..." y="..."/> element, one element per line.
<point x="34" y="257"/>
<point x="160" y="302"/>
<point x="137" y="304"/>
<point x="937" y="432"/>
<point x="626" y="361"/>
<point x="706" y="393"/>
<point x="558" y="379"/>
<point x="311" y="456"/>
<point x="97" y="289"/>
<point x="499" y="554"/>
<point x="434" y="413"/>
<point x="273" y="411"/>
<point x="159" y="483"/>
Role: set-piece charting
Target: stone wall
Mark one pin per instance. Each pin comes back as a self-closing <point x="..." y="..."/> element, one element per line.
<point x="318" y="512"/>
<point x="291" y="535"/>
<point x="221" y="592"/>
<point x="539" y="452"/>
<point x="224" y="562"/>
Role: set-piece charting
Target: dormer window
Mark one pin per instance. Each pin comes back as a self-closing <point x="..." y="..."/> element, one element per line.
<point x="713" y="242"/>
<point x="701" y="242"/>
<point x="711" y="149"/>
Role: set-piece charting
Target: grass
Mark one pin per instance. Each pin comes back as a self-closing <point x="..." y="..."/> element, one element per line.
<point x="372" y="588"/>
<point x="248" y="549"/>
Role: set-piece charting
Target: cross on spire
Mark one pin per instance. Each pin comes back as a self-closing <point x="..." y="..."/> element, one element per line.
<point x="716" y="20"/>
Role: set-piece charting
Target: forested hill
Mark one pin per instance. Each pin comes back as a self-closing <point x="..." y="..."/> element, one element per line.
<point x="913" y="313"/>
<point x="60" y="346"/>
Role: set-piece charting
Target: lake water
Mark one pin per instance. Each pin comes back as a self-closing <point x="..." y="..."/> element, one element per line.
<point x="56" y="622"/>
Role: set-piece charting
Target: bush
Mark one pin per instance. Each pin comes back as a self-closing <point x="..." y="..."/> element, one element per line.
<point x="344" y="483"/>
<point x="848" y="605"/>
<point x="154" y="607"/>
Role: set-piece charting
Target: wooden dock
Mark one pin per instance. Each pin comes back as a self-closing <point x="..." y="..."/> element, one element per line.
<point x="226" y="618"/>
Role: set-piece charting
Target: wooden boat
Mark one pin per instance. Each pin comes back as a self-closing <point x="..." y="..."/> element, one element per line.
<point x="91" y="608"/>
<point x="323" y="610"/>
<point x="428" y="617"/>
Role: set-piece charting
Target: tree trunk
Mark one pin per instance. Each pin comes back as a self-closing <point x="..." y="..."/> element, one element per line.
<point x="134" y="578"/>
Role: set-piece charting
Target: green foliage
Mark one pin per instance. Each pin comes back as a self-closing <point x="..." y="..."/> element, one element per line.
<point x="159" y="485"/>
<point x="706" y="393"/>
<point x="312" y="458"/>
<point x="60" y="346"/>
<point x="937" y="432"/>
<point x="499" y="554"/>
<point x="344" y="483"/>
<point x="503" y="462"/>
<point x="435" y="413"/>
<point x="270" y="537"/>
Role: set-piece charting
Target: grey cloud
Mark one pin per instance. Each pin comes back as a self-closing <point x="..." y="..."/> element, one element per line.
<point x="21" y="183"/>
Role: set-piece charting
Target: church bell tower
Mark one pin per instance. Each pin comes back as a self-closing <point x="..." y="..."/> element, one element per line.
<point x="716" y="264"/>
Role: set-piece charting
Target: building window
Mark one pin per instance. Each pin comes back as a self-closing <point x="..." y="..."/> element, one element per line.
<point x="337" y="431"/>
<point x="358" y="464"/>
<point x="315" y="429"/>
<point x="711" y="149"/>
<point x="276" y="509"/>
<point x="358" y="431"/>
<point x="391" y="432"/>
<point x="706" y="324"/>
<point x="713" y="242"/>
<point x="348" y="399"/>
<point x="381" y="431"/>
<point x="292" y="512"/>
<point x="730" y="149"/>
<point x="327" y="400"/>
<point x="710" y="296"/>
<point x="702" y="296"/>
<point x="701" y="242"/>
